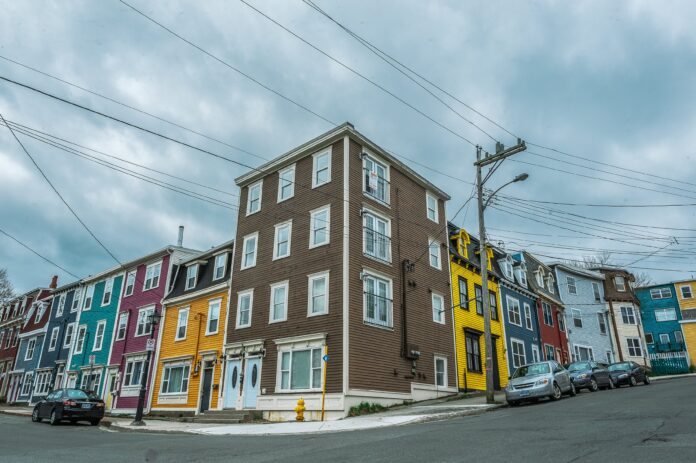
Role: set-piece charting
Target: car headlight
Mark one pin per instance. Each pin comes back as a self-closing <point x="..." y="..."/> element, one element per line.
<point x="582" y="376"/>
<point x="541" y="382"/>
<point x="625" y="375"/>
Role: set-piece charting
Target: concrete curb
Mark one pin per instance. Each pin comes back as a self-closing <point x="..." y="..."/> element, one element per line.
<point x="664" y="378"/>
<point x="15" y="412"/>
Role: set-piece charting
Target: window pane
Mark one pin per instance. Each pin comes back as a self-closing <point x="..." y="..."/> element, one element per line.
<point x="300" y="370"/>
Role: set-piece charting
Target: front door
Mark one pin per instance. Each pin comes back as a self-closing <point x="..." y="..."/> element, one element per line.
<point x="232" y="378"/>
<point x="206" y="386"/>
<point x="252" y="381"/>
<point x="496" y="371"/>
<point x="110" y="389"/>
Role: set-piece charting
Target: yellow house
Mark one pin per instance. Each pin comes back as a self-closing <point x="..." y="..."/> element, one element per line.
<point x="468" y="315"/>
<point x="686" y="296"/>
<point x="188" y="379"/>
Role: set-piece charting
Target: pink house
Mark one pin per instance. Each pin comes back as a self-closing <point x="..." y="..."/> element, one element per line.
<point x="145" y="284"/>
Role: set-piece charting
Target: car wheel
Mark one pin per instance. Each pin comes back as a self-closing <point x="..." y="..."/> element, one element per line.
<point x="54" y="419"/>
<point x="593" y="385"/>
<point x="557" y="393"/>
<point x="647" y="380"/>
<point x="573" y="392"/>
<point x="94" y="422"/>
<point x="35" y="415"/>
<point x="633" y="381"/>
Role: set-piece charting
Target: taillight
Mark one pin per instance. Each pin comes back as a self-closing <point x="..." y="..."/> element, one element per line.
<point x="70" y="403"/>
<point x="100" y="405"/>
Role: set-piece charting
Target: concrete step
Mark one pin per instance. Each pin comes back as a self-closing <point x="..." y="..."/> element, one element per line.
<point x="216" y="420"/>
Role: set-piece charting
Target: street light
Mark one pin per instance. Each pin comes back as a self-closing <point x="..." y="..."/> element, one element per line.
<point x="154" y="319"/>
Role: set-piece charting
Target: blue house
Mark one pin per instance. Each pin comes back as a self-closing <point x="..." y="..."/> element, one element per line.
<point x="60" y="334"/>
<point x="518" y="303"/>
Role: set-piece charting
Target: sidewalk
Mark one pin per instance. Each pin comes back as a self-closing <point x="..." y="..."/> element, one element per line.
<point x="660" y="378"/>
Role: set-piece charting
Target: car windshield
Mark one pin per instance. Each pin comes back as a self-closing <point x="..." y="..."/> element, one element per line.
<point x="577" y="366"/>
<point x="77" y="394"/>
<point x="531" y="370"/>
<point x="620" y="367"/>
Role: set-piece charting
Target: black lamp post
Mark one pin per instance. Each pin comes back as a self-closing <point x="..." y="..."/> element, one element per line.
<point x="138" y="421"/>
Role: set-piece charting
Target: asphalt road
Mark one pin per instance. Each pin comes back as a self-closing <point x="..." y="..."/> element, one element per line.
<point x="655" y="423"/>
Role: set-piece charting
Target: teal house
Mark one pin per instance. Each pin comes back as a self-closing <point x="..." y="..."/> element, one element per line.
<point x="94" y="330"/>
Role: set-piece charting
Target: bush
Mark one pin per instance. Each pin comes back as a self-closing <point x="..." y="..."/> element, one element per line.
<point x="692" y="368"/>
<point x="365" y="408"/>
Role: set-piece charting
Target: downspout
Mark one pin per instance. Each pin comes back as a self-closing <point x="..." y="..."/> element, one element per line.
<point x="616" y="331"/>
<point x="404" y="334"/>
<point x="605" y="314"/>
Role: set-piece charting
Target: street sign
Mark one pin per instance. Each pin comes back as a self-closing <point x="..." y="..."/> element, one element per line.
<point x="150" y="346"/>
<point x="325" y="358"/>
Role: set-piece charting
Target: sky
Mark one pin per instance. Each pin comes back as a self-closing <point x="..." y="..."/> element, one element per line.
<point x="609" y="85"/>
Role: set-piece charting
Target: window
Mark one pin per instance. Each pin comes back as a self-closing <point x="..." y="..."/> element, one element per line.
<point x="473" y="352"/>
<point x="286" y="183"/>
<point x="376" y="179"/>
<point x="434" y="252"/>
<point x="220" y="263"/>
<point x="479" y="299"/>
<point x="61" y="305"/>
<point x="134" y="372"/>
<point x="191" y="276"/>
<point x="577" y="317"/>
<point x="540" y="278"/>
<point x="634" y="349"/>
<point x="68" y="339"/>
<point x="378" y="303"/>
<point x="122" y="326"/>
<point x="582" y="353"/>
<point x="321" y="168"/>
<point x="43" y="380"/>
<point x="152" y="276"/>
<point x="665" y="315"/>
<point x="661" y="293"/>
<point x="31" y="345"/>
<point x="2" y="337"/>
<point x="254" y="198"/>
<point x="620" y="283"/>
<point x="595" y="290"/>
<point x="610" y="356"/>
<point x="213" y="316"/>
<point x="561" y="321"/>
<point x="463" y="294"/>
<point x="506" y="266"/>
<point x="572" y="288"/>
<point x="319" y="223"/>
<point x="550" y="284"/>
<point x="679" y="337"/>
<point x="244" y="302"/>
<point x="249" y="251"/>
<point x="376" y="236"/>
<point x="318" y="303"/>
<point x="438" y="308"/>
<point x="99" y="336"/>
<point x="279" y="302"/>
<point x="175" y="378"/>
<point x="602" y="323"/>
<point x="80" y="341"/>
<point x="549" y="352"/>
<point x="40" y="307"/>
<point x="76" y="300"/>
<point x="26" y="385"/>
<point x="281" y="242"/>
<point x="493" y="300"/>
<point x="513" y="307"/>
<point x="9" y="338"/>
<point x="519" y="357"/>
<point x="548" y="314"/>
<point x="536" y="357"/>
<point x="181" y="324"/>
<point x="130" y="283"/>
<point x="431" y="206"/>
<point x="686" y="292"/>
<point x="15" y="338"/>
<point x="300" y="370"/>
<point x="88" y="298"/>
<point x="91" y="381"/>
<point x="628" y="316"/>
<point x="144" y="324"/>
<point x="108" y="289"/>
<point x="664" y="338"/>
<point x="440" y="371"/>
<point x="649" y="338"/>
<point x="527" y="316"/>
<point x="522" y="275"/>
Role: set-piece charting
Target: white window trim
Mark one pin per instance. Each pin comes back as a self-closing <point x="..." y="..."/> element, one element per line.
<point x="444" y="376"/>
<point x="249" y="188"/>
<point x="290" y="348"/>
<point x="53" y="341"/>
<point x="390" y="295"/>
<point x="77" y="339"/>
<point x="67" y="341"/>
<point x="96" y="332"/>
<point x="288" y="224"/>
<point x="387" y="169"/>
<point x="314" y="212"/>
<point x="383" y="218"/>
<point x="535" y="350"/>
<point x="110" y="293"/>
<point x="32" y="342"/>
<point x="75" y="306"/>
<point x="528" y="316"/>
<point x="146" y="332"/>
<point x="217" y="300"/>
<point x="89" y="295"/>
<point x="510" y="302"/>
<point x="159" y="276"/>
<point x="662" y="309"/>
<point x="240" y="295"/>
<point x="574" y="284"/>
<point x="429" y="195"/>
<point x="216" y="267"/>
<point x="255" y="237"/>
<point x="514" y="341"/>
<point x="196" y="268"/>
<point x="691" y="293"/>
<point x="280" y="182"/>
<point x="282" y="284"/>
<point x="187" y="310"/>
<point x="623" y="284"/>
<point x="632" y="313"/>
<point x="436" y="295"/>
<point x="664" y="334"/>
<point x="132" y="360"/>
<point x="28" y="376"/>
<point x="126" y="316"/>
<point x="171" y="365"/>
<point x="61" y="305"/>
<point x="576" y="349"/>
<point x="628" y="347"/>
<point x="310" y="298"/>
<point x="126" y="293"/>
<point x="431" y="242"/>
<point x="315" y="156"/>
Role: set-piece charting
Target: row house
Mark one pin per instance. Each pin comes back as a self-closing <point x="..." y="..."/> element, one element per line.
<point x="188" y="375"/>
<point x="550" y="309"/>
<point x="519" y="309"/>
<point x="587" y="318"/>
<point x="340" y="282"/>
<point x="686" y="297"/>
<point x="465" y="269"/>
<point x="624" y="315"/>
<point x="138" y="308"/>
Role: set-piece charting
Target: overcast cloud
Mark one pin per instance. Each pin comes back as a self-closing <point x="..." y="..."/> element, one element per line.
<point x="610" y="81"/>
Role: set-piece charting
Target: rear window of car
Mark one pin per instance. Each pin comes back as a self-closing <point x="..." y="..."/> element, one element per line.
<point x="620" y="366"/>
<point x="577" y="366"/>
<point x="77" y="394"/>
<point x="530" y="370"/>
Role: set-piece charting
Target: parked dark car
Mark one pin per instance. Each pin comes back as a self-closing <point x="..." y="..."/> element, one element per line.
<point x="69" y="404"/>
<point x="630" y="373"/>
<point x="590" y="375"/>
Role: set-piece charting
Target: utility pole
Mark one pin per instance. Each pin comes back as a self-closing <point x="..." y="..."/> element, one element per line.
<point x="501" y="154"/>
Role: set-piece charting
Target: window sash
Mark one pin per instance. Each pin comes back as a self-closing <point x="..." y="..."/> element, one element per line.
<point x="514" y="314"/>
<point x="31" y="345"/>
<point x="602" y="323"/>
<point x="244" y="310"/>
<point x="321" y="169"/>
<point x="440" y="372"/>
<point x="597" y="294"/>
<point x="181" y="324"/>
<point x="301" y="369"/>
<point x="144" y="325"/>
<point x="122" y="326"/>
<point x="134" y="372"/>
<point x="282" y="240"/>
<point x="473" y="352"/>
<point x="175" y="379"/>
<point x="463" y="293"/>
<point x="108" y="289"/>
<point x="434" y="253"/>
<point x="376" y="237"/>
<point x="69" y="332"/>
<point x="152" y="276"/>
<point x="220" y="263"/>
<point x="548" y="314"/>
<point x="286" y="183"/>
<point x="438" y="303"/>
<point x="254" y="199"/>
<point x="431" y="204"/>
<point x="213" y="317"/>
<point x="628" y="315"/>
<point x="130" y="284"/>
<point x="572" y="287"/>
<point x="80" y="341"/>
<point x="191" y="276"/>
<point x="376" y="182"/>
<point x="249" y="257"/>
<point x="319" y="227"/>
<point x="99" y="336"/>
<point x="634" y="347"/>
<point x="577" y="318"/>
<point x="377" y="301"/>
<point x="686" y="292"/>
<point x="528" y="316"/>
<point x="665" y="314"/>
<point x="519" y="356"/>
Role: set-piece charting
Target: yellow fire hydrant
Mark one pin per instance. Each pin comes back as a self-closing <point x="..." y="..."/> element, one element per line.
<point x="300" y="410"/>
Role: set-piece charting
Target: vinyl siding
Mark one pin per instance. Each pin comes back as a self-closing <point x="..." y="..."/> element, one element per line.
<point x="689" y="329"/>
<point x="686" y="303"/>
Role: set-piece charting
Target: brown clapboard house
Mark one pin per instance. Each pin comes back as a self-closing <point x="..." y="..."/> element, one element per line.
<point x="327" y="235"/>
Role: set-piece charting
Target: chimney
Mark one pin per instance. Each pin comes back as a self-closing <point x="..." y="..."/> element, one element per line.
<point x="54" y="282"/>
<point x="180" y="242"/>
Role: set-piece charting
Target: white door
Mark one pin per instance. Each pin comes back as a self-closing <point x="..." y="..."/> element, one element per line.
<point x="233" y="375"/>
<point x="535" y="353"/>
<point x="252" y="381"/>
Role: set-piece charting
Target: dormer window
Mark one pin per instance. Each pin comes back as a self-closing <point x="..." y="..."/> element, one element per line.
<point x="549" y="284"/>
<point x="506" y="265"/>
<point x="220" y="263"/>
<point x="540" y="278"/>
<point x="191" y="276"/>
<point x="620" y="283"/>
<point x="521" y="273"/>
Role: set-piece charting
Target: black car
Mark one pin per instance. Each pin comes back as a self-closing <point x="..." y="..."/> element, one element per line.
<point x="590" y="375"/>
<point x="69" y="404"/>
<point x="629" y="373"/>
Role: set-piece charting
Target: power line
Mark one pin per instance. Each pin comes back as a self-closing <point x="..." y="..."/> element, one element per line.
<point x="558" y="203"/>
<point x="26" y="246"/>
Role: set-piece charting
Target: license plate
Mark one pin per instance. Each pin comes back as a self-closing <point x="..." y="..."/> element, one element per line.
<point x="86" y="405"/>
<point x="524" y="393"/>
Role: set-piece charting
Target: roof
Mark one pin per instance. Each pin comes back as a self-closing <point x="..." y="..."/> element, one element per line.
<point x="68" y="286"/>
<point x="578" y="270"/>
<point x="209" y="252"/>
<point x="331" y="136"/>
<point x="533" y="265"/>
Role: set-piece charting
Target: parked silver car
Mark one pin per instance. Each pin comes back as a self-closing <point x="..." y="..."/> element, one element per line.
<point x="538" y="380"/>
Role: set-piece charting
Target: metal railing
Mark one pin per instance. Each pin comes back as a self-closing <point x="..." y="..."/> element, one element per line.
<point x="376" y="186"/>
<point x="669" y="346"/>
<point x="377" y="244"/>
<point x="378" y="310"/>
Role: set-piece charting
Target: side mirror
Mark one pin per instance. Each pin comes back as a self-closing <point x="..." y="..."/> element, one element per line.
<point x="509" y="378"/>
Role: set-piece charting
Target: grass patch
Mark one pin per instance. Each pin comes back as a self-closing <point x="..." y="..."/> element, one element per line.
<point x="365" y="408"/>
